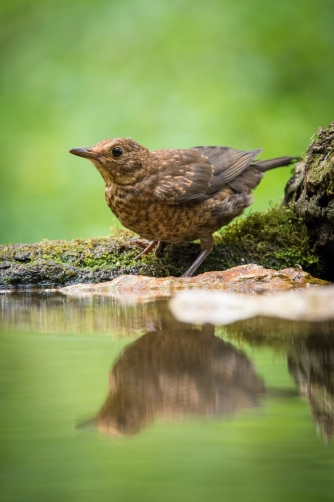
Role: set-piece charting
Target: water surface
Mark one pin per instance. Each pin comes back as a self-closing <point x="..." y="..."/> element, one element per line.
<point x="103" y="400"/>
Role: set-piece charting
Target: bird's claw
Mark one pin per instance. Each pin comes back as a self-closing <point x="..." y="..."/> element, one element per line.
<point x="146" y="250"/>
<point x="139" y="242"/>
<point x="160" y="245"/>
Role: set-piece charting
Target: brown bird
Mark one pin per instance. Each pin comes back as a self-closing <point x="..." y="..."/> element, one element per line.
<point x="177" y="195"/>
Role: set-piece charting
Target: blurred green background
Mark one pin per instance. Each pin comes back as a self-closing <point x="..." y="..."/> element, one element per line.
<point x="170" y="74"/>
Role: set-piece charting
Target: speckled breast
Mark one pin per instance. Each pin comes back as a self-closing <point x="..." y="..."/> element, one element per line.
<point x="155" y="221"/>
<point x="174" y="222"/>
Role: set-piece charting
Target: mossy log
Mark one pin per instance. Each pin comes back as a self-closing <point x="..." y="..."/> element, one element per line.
<point x="275" y="239"/>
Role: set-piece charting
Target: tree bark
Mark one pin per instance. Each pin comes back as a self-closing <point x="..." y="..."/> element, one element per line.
<point x="312" y="190"/>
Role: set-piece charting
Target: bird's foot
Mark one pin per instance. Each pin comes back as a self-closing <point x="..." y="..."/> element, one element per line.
<point x="160" y="245"/>
<point x="159" y="248"/>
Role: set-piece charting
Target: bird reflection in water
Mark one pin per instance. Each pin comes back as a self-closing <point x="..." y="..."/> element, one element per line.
<point x="173" y="374"/>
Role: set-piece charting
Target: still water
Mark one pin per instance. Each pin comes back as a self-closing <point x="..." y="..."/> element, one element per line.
<point x="103" y="400"/>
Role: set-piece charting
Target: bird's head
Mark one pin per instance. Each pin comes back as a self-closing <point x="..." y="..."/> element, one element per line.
<point x="119" y="160"/>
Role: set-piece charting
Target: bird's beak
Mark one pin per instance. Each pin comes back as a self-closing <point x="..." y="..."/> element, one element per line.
<point x="87" y="153"/>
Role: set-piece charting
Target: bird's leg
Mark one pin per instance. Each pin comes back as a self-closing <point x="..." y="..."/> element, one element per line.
<point x="201" y="257"/>
<point x="159" y="248"/>
<point x="147" y="249"/>
<point x="206" y="246"/>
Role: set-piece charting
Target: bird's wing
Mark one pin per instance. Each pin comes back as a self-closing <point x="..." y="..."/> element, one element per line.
<point x="181" y="175"/>
<point x="198" y="173"/>
<point x="227" y="162"/>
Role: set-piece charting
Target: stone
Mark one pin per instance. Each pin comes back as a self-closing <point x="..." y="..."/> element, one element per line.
<point x="250" y="278"/>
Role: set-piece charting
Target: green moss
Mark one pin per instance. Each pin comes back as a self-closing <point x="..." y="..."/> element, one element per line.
<point x="275" y="239"/>
<point x="320" y="162"/>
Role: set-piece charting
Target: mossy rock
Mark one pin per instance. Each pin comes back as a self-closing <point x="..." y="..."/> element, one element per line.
<point x="275" y="239"/>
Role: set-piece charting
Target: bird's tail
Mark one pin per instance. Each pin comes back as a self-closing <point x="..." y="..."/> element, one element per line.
<point x="266" y="165"/>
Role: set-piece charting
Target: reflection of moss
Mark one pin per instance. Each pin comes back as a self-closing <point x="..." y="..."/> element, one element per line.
<point x="275" y="239"/>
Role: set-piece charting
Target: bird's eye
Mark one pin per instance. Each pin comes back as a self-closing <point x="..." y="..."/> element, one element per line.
<point x="117" y="151"/>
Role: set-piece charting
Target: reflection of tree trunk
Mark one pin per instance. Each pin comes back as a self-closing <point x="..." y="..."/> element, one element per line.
<point x="313" y="194"/>
<point x="177" y="373"/>
<point x="312" y="366"/>
<point x="310" y="350"/>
